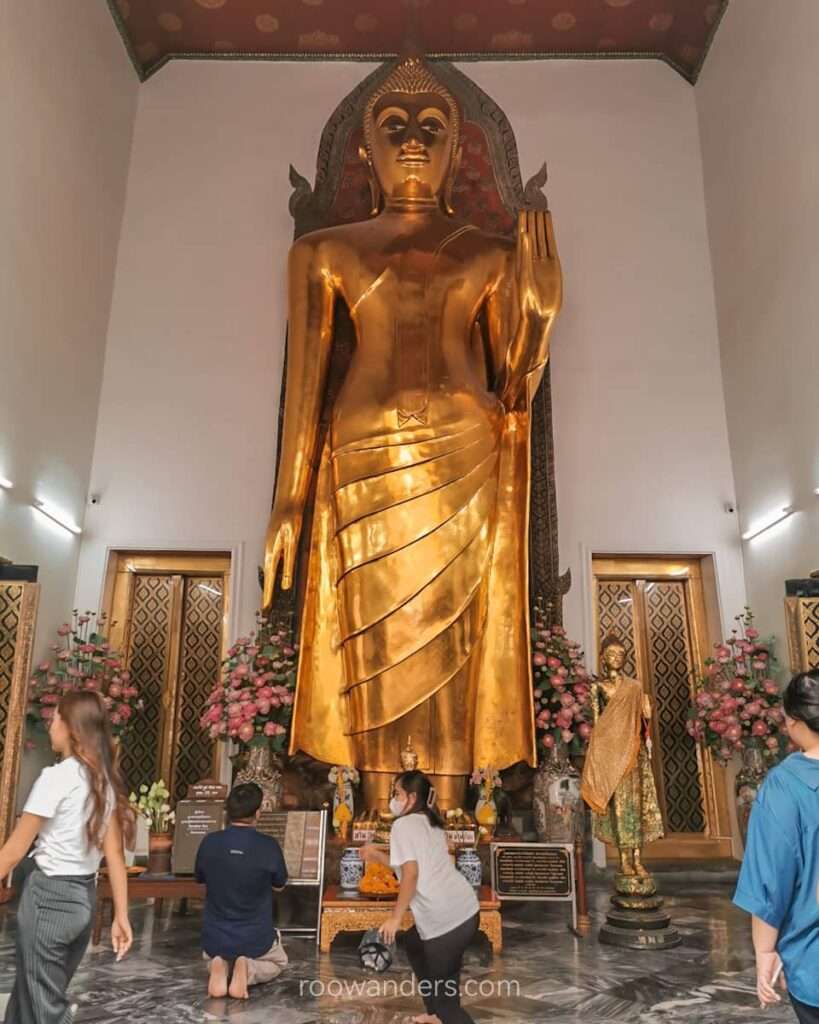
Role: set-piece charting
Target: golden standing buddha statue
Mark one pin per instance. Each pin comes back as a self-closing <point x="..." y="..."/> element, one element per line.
<point x="618" y="780"/>
<point x="421" y="497"/>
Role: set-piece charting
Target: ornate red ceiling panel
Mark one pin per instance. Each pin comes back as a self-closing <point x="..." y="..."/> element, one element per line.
<point x="678" y="32"/>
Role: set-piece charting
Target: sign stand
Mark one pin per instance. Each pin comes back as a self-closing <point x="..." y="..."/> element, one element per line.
<point x="302" y="836"/>
<point x="536" y="872"/>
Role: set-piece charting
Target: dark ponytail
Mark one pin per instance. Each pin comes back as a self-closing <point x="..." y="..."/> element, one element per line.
<point x="801" y="700"/>
<point x="418" y="783"/>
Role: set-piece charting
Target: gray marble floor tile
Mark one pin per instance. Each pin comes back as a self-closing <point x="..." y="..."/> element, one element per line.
<point x="548" y="974"/>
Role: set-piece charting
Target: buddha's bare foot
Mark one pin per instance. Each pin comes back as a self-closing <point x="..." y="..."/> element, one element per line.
<point x="217" y="978"/>
<point x="238" y="983"/>
<point x="641" y="870"/>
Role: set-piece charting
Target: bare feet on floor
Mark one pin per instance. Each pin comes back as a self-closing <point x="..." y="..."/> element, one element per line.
<point x="217" y="979"/>
<point x="238" y="983"/>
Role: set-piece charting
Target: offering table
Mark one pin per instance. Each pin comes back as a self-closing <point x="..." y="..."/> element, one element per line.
<point x="357" y="913"/>
<point x="144" y="887"/>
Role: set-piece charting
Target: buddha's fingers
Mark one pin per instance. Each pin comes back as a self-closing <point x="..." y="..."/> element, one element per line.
<point x="524" y="258"/>
<point x="289" y="559"/>
<point x="551" y="244"/>
<point x="542" y="243"/>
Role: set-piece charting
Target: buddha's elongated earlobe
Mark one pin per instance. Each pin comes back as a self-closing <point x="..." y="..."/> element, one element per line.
<point x="375" y="188"/>
<point x="450" y="182"/>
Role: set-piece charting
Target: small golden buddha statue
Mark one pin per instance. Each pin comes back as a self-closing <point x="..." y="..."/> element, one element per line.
<point x="409" y="758"/>
<point x="420" y="508"/>
<point x="618" y="781"/>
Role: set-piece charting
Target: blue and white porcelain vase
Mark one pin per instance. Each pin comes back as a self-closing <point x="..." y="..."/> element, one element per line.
<point x="468" y="862"/>
<point x="351" y="870"/>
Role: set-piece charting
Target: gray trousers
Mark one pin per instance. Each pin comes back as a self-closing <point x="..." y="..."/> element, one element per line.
<point x="54" y="920"/>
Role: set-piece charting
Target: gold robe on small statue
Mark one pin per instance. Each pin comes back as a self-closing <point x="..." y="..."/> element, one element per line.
<point x="618" y="781"/>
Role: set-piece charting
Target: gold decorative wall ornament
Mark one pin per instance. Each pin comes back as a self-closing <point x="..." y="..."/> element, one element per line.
<point x="421" y="495"/>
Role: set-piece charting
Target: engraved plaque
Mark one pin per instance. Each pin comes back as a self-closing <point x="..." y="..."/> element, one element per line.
<point x="299" y="835"/>
<point x="207" y="789"/>
<point x="532" y="871"/>
<point x="195" y="819"/>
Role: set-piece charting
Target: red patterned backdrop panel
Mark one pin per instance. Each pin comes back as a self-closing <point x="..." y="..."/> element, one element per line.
<point x="677" y="31"/>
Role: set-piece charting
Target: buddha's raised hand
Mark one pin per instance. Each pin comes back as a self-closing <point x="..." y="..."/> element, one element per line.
<point x="539" y="279"/>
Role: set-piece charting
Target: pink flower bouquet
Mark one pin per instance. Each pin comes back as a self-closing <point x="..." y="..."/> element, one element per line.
<point x="738" y="703"/>
<point x="563" y="712"/>
<point x="84" y="660"/>
<point x="255" y="697"/>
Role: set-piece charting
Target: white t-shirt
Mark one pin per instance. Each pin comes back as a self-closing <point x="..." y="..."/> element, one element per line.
<point x="443" y="898"/>
<point x="60" y="795"/>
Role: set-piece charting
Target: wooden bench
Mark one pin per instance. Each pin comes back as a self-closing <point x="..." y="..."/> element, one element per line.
<point x="141" y="887"/>
<point x="358" y="913"/>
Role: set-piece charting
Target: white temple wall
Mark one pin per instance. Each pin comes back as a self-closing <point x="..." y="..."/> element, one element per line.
<point x="760" y="143"/>
<point x="66" y="127"/>
<point x="187" y="427"/>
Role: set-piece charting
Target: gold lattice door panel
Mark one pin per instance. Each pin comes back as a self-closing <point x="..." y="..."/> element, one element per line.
<point x="671" y="667"/>
<point x="803" y="632"/>
<point x="616" y="617"/>
<point x="149" y="639"/>
<point x="174" y="650"/>
<point x="11" y="607"/>
<point x="18" y="615"/>
<point x="199" y="666"/>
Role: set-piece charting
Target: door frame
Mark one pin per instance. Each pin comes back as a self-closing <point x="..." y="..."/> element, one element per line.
<point x="201" y="559"/>
<point x="718" y="840"/>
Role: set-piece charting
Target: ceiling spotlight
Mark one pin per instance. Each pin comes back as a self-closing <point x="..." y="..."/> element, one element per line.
<point x="56" y="516"/>
<point x="765" y="524"/>
<point x="6" y="484"/>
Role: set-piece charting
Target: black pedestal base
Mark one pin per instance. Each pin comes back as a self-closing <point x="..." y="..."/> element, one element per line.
<point x="637" y="938"/>
<point x="637" y="920"/>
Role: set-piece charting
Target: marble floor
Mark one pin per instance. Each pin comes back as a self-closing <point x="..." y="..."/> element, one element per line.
<point x="543" y="974"/>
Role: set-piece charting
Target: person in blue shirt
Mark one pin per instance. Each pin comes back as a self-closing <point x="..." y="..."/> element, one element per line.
<point x="241" y="867"/>
<point x="779" y="880"/>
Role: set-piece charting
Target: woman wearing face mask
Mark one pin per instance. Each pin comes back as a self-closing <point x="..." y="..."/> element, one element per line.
<point x="779" y="881"/>
<point x="443" y="903"/>
<point x="77" y="810"/>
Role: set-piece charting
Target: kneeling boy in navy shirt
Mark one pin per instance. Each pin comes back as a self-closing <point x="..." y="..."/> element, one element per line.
<point x="241" y="867"/>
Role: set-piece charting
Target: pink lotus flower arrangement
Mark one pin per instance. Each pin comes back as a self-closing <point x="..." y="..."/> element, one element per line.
<point x="563" y="713"/>
<point x="738" y="704"/>
<point x="84" y="660"/>
<point x="254" y="701"/>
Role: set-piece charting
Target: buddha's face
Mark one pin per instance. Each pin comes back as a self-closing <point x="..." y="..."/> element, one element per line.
<point x="411" y="145"/>
<point x="614" y="657"/>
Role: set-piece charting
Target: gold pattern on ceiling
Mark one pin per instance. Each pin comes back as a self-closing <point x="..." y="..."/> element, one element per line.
<point x="678" y="32"/>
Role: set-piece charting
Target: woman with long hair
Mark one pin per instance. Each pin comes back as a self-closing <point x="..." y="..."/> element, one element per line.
<point x="77" y="811"/>
<point x="779" y="881"/>
<point x="444" y="905"/>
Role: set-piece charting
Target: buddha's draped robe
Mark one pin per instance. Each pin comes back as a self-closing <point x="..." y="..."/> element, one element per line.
<point x="416" y="604"/>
